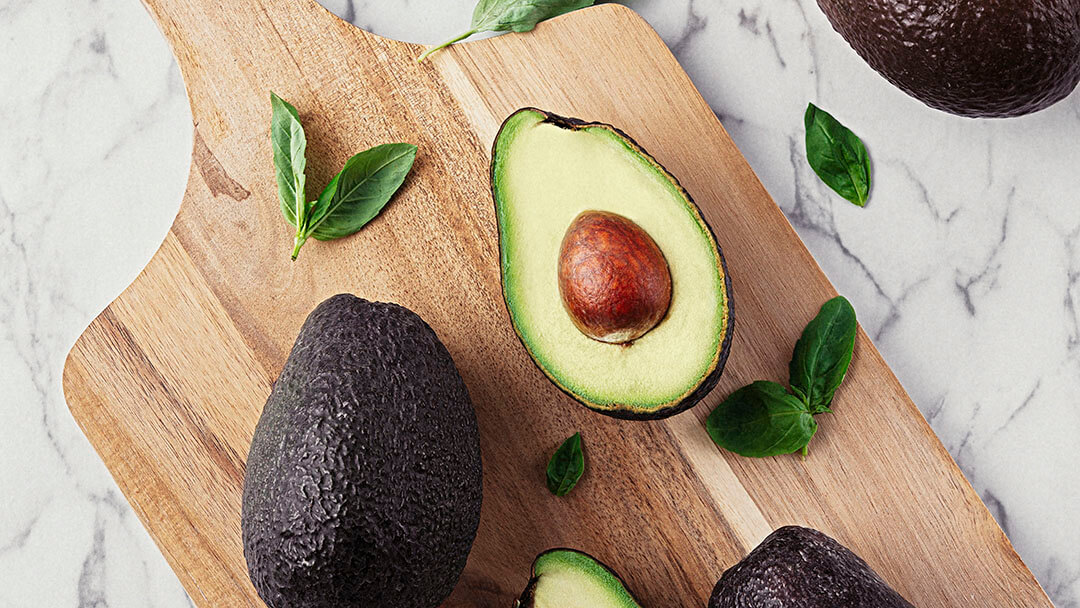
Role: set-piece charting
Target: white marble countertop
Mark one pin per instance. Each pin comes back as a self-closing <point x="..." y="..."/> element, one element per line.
<point x="965" y="267"/>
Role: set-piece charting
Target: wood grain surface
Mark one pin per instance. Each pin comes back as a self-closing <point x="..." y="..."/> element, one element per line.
<point x="169" y="381"/>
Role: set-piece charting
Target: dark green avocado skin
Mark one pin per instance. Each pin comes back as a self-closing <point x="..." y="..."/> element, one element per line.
<point x="978" y="58"/>
<point x="363" y="483"/>
<point x="802" y="568"/>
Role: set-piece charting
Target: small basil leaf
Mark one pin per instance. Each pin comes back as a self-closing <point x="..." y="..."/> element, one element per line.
<point x="822" y="354"/>
<point x="760" y="420"/>
<point x="290" y="145"/>
<point x="364" y="186"/>
<point x="511" y="15"/>
<point x="837" y="155"/>
<point x="566" y="466"/>
<point x="520" y="15"/>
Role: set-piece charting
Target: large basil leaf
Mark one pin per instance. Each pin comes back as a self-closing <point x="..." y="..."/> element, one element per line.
<point x="290" y="145"/>
<point x="837" y="155"/>
<point x="822" y="354"/>
<point x="363" y="188"/>
<point x="760" y="420"/>
<point x="520" y="15"/>
<point x="511" y="15"/>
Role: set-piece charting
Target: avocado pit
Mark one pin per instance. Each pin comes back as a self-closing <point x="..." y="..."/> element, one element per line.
<point x="613" y="279"/>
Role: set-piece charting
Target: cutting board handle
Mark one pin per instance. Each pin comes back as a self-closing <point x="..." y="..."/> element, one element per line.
<point x="220" y="45"/>
<point x="185" y="22"/>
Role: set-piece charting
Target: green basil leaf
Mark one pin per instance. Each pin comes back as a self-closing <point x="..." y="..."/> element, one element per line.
<point x="520" y="15"/>
<point x="822" y="354"/>
<point x="290" y="146"/>
<point x="363" y="188"/>
<point x="511" y="15"/>
<point x="320" y="206"/>
<point x="566" y="466"/>
<point x="760" y="420"/>
<point x="837" y="155"/>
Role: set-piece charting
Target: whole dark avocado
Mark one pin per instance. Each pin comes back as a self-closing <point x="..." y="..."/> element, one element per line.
<point x="801" y="568"/>
<point x="363" y="483"/>
<point x="989" y="58"/>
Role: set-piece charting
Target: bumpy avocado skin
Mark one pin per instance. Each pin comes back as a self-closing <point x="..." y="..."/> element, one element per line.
<point x="801" y="568"/>
<point x="988" y="58"/>
<point x="363" y="483"/>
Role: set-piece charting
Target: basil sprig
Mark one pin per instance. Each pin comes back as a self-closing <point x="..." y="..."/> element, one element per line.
<point x="352" y="198"/>
<point x="566" y="466"/>
<point x="511" y="15"/>
<point x="837" y="155"/>
<point x="764" y="419"/>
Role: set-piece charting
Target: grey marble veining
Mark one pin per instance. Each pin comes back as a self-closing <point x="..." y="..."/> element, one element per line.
<point x="965" y="266"/>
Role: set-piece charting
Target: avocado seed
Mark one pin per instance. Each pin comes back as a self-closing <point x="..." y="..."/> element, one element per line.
<point x="613" y="278"/>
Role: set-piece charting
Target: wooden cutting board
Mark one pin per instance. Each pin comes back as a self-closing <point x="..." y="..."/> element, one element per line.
<point x="168" y="382"/>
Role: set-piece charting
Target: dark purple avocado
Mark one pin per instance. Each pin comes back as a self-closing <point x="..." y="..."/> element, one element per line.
<point x="363" y="483"/>
<point x="991" y="58"/>
<point x="802" y="568"/>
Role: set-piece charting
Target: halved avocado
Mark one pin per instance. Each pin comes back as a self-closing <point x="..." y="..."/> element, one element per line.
<point x="580" y="209"/>
<point x="564" y="578"/>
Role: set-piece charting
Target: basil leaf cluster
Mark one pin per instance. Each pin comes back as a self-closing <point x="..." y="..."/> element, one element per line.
<point x="352" y="198"/>
<point x="765" y="419"/>
<point x="837" y="155"/>
<point x="566" y="466"/>
<point x="511" y="16"/>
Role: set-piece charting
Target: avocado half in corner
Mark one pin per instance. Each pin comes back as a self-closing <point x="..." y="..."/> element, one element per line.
<point x="613" y="280"/>
<point x="564" y="578"/>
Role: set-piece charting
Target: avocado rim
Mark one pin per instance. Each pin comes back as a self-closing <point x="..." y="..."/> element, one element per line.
<point x="528" y="596"/>
<point x="716" y="367"/>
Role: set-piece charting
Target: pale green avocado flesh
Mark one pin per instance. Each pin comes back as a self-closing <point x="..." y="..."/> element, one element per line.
<point x="545" y="171"/>
<point x="563" y="578"/>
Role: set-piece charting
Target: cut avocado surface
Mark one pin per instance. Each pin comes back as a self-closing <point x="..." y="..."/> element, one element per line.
<point x="547" y="171"/>
<point x="564" y="578"/>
